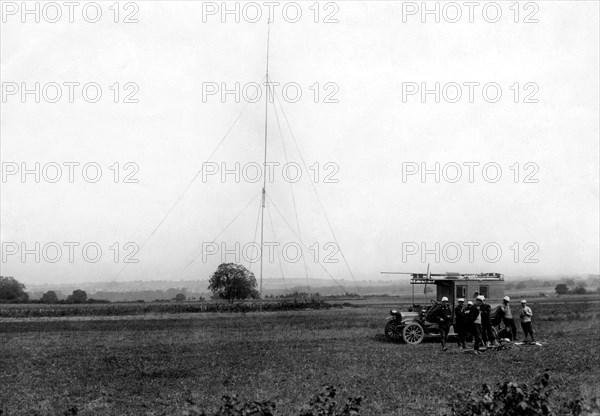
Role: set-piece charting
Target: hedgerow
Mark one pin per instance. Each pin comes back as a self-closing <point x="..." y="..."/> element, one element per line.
<point x="134" y="308"/>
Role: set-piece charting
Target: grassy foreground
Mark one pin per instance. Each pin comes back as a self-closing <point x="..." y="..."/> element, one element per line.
<point x="152" y="365"/>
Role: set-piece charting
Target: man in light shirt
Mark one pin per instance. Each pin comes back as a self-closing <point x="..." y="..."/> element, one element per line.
<point x="526" y="315"/>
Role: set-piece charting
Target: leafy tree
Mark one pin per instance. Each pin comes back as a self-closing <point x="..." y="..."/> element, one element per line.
<point x="78" y="296"/>
<point x="580" y="290"/>
<point x="49" y="297"/>
<point x="570" y="282"/>
<point x="180" y="297"/>
<point x="11" y="290"/>
<point x="561" y="289"/>
<point x="521" y="285"/>
<point x="172" y="292"/>
<point x="233" y="281"/>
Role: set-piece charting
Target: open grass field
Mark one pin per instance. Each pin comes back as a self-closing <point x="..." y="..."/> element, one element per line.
<point x="153" y="364"/>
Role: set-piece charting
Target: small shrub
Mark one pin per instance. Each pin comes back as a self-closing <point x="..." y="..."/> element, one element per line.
<point x="509" y="399"/>
<point x="583" y="407"/>
<point x="322" y="404"/>
<point x="518" y="399"/>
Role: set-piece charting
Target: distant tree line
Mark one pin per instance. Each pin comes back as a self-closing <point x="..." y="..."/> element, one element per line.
<point x="570" y="286"/>
<point x="563" y="289"/>
<point x="295" y="295"/>
<point x="310" y="296"/>
<point x="78" y="296"/>
<point x="12" y="291"/>
<point x="178" y="294"/>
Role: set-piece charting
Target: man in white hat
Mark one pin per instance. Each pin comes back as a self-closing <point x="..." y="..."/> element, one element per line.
<point x="508" y="318"/>
<point x="526" y="315"/>
<point x="486" y="325"/>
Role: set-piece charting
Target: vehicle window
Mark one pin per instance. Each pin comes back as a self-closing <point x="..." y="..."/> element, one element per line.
<point x="483" y="290"/>
<point x="461" y="291"/>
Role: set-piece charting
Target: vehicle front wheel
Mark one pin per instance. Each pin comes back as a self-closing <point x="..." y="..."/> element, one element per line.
<point x="413" y="333"/>
<point x="392" y="332"/>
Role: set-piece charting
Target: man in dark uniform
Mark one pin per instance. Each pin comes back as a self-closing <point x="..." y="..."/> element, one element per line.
<point x="460" y="323"/>
<point x="474" y="319"/>
<point x="508" y="319"/>
<point x="486" y="323"/>
<point x="443" y="316"/>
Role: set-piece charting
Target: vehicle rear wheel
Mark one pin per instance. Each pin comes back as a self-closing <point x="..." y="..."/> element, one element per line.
<point x="413" y="333"/>
<point x="392" y="332"/>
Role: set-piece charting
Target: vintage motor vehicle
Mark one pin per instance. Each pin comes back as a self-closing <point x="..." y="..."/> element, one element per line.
<point x="410" y="327"/>
<point x="414" y="325"/>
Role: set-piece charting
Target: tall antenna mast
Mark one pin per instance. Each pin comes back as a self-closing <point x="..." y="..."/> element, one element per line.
<point x="264" y="189"/>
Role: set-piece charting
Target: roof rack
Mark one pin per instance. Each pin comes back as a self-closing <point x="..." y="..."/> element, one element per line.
<point x="419" y="278"/>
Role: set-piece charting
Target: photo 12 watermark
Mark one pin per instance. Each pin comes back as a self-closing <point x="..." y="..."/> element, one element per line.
<point x="69" y="172"/>
<point x="490" y="92"/>
<point x="254" y="172"/>
<point x="69" y="92"/>
<point x="270" y="11"/>
<point x="471" y="251"/>
<point x="469" y="172"/>
<point x="68" y="252"/>
<point x="69" y="12"/>
<point x="470" y="12"/>
<point x="254" y="92"/>
<point x="273" y="252"/>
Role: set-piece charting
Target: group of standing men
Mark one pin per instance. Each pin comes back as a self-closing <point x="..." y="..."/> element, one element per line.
<point x="476" y="319"/>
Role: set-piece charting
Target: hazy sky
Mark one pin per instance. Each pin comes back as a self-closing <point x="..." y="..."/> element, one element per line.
<point x="530" y="206"/>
